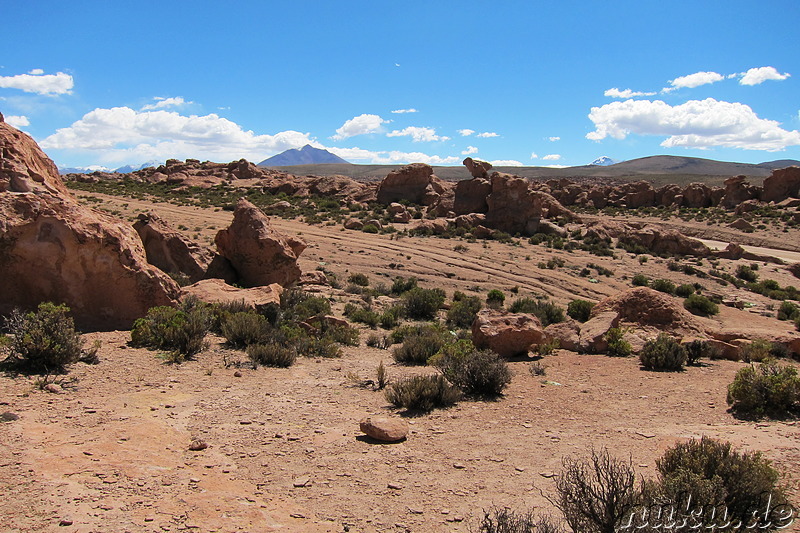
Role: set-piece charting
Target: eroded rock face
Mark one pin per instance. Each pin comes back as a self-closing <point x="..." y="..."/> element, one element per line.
<point x="737" y="190"/>
<point x="217" y="291"/>
<point x="782" y="184"/>
<point x="24" y="167"/>
<point x="477" y="168"/>
<point x="515" y="208"/>
<point x="470" y="196"/>
<point x="259" y="254"/>
<point x="660" y="240"/>
<point x="647" y="307"/>
<point x="507" y="334"/>
<point x="415" y="183"/>
<point x="169" y="250"/>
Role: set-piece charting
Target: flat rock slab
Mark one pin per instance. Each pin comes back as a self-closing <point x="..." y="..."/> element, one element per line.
<point x="384" y="429"/>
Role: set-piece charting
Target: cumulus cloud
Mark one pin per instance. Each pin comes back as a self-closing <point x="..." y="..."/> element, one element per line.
<point x="694" y="124"/>
<point x="124" y="134"/>
<point x="553" y="139"/>
<point x="626" y="93"/>
<point x="470" y="150"/>
<point x="418" y="134"/>
<point x="18" y="121"/>
<point x="505" y="163"/>
<point x="391" y="157"/>
<point x="162" y="103"/>
<point x="36" y="81"/>
<point x="754" y="76"/>
<point x="488" y="134"/>
<point x="552" y="157"/>
<point x="466" y="132"/>
<point x="400" y="111"/>
<point x="694" y="80"/>
<point x="534" y="155"/>
<point x="360" y="125"/>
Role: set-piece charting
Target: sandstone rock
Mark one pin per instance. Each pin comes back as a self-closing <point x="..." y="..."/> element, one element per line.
<point x="646" y="307"/>
<point x="593" y="331"/>
<point x="481" y="232"/>
<point x="697" y="195"/>
<point x="283" y="205"/>
<point x="384" y="429"/>
<point x="747" y="207"/>
<point x="636" y="194"/>
<point x="783" y="183"/>
<point x="217" y="291"/>
<point x="353" y="223"/>
<point x="737" y="190"/>
<point x="477" y="168"/>
<point x="24" y="167"/>
<point x="169" y="250"/>
<point x="567" y="334"/>
<point x="470" y="196"/>
<point x="742" y="224"/>
<point x="244" y="170"/>
<point x="794" y="268"/>
<point x="668" y="241"/>
<point x="515" y="208"/>
<point x="435" y="226"/>
<point x="315" y="277"/>
<point x="259" y="254"/>
<point x="506" y="333"/>
<point x="415" y="183"/>
<point x="399" y="213"/>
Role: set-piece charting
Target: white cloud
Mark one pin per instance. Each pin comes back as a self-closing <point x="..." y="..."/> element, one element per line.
<point x="553" y="139"/>
<point x="18" y="121"/>
<point x="121" y="134"/>
<point x="626" y="93"/>
<point x="534" y="155"/>
<point x="556" y="166"/>
<point x="552" y="157"/>
<point x="400" y="111"/>
<point x="754" y="76"/>
<point x="694" y="124"/>
<point x="694" y="80"/>
<point x="38" y="82"/>
<point x="488" y="134"/>
<point x="162" y="103"/>
<point x="360" y="125"/>
<point x="418" y="134"/>
<point x="391" y="157"/>
<point x="470" y="150"/>
<point x="506" y="163"/>
<point x="466" y="132"/>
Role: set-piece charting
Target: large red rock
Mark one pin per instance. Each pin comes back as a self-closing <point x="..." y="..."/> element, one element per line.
<point x="737" y="190"/>
<point x="54" y="249"/>
<point x="507" y="334"/>
<point x="217" y="291"/>
<point x="169" y="250"/>
<point x="415" y="183"/>
<point x="697" y="195"/>
<point x="514" y="208"/>
<point x="662" y="240"/>
<point x="782" y="184"/>
<point x="470" y="196"/>
<point x="259" y="254"/>
<point x="647" y="307"/>
<point x="384" y="428"/>
<point x="477" y="168"/>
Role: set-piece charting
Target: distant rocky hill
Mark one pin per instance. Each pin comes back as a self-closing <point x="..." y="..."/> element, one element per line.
<point x="307" y="155"/>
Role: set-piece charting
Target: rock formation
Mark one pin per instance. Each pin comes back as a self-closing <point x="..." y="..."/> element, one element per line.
<point x="169" y="250"/>
<point x="259" y="254"/>
<point x="782" y="184"/>
<point x="477" y="168"/>
<point x="470" y="196"/>
<point x="415" y="183"/>
<point x="514" y="208"/>
<point x="217" y="291"/>
<point x="506" y="333"/>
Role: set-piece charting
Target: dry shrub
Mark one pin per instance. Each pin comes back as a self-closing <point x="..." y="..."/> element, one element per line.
<point x="423" y="393"/>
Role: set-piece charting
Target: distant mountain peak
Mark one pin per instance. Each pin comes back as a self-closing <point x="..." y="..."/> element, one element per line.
<point x="307" y="155"/>
<point x="603" y="161"/>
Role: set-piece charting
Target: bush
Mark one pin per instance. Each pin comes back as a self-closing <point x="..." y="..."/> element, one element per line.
<point x="378" y="341"/>
<point x="640" y="280"/>
<point x="756" y="351"/>
<point x="475" y="372"/>
<point x="698" y="304"/>
<point x="710" y="475"/>
<point x="423" y="393"/>
<point x="663" y="353"/>
<point x="323" y="346"/>
<point x="746" y="273"/>
<point x="495" y="299"/>
<point x="243" y="329"/>
<point x="617" y="345"/>
<point x="580" y="310"/>
<point x="43" y="340"/>
<point x="365" y="316"/>
<point x="370" y="228"/>
<point x="462" y="312"/>
<point x="271" y="354"/>
<point x="422" y="304"/>
<point x="547" y="312"/>
<point x="390" y="318"/>
<point x="788" y="311"/>
<point x="685" y="290"/>
<point x="504" y="520"/>
<point x="403" y="285"/>
<point x="698" y="349"/>
<point x="770" y="389"/>
<point x="663" y="285"/>
<point x="358" y="279"/>
<point x="299" y="305"/>
<point x="417" y="348"/>
<point x="181" y="331"/>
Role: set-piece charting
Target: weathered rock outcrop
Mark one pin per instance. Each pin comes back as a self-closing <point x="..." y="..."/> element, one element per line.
<point x="54" y="249"/>
<point x="415" y="183"/>
<point x="259" y="254"/>
<point x="169" y="250"/>
<point x="477" y="168"/>
<point x="737" y="190"/>
<point x="661" y="240"/>
<point x="515" y="208"/>
<point x="506" y="333"/>
<point x="782" y="184"/>
<point x="643" y="306"/>
<point x="217" y="291"/>
<point x="470" y="196"/>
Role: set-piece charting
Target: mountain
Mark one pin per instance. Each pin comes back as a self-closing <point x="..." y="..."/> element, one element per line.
<point x="83" y="170"/>
<point x="780" y="163"/>
<point x="133" y="168"/>
<point x="307" y="155"/>
<point x="603" y="161"/>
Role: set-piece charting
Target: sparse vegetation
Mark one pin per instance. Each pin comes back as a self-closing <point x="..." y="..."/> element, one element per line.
<point x="243" y="329"/>
<point x="697" y="349"/>
<point x="663" y="353"/>
<point x="462" y="312"/>
<point x="756" y="351"/>
<point x="44" y="340"/>
<point x="475" y="372"/>
<point x="617" y="345"/>
<point x="181" y="331"/>
<point x="580" y="310"/>
<point x="547" y="312"/>
<point x="640" y="280"/>
<point x="495" y="299"/>
<point x="423" y="393"/>
<point x="271" y="354"/>
<point x="359" y="279"/>
<point x="768" y="389"/>
<point x="697" y="304"/>
<point x="663" y="285"/>
<point x="423" y="304"/>
<point x="419" y="346"/>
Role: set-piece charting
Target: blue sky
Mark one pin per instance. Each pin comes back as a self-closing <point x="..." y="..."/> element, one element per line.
<point x="531" y="83"/>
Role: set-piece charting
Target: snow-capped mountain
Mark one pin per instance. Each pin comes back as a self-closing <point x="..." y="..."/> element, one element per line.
<point x="133" y="168"/>
<point x="603" y="161"/>
<point x="83" y="170"/>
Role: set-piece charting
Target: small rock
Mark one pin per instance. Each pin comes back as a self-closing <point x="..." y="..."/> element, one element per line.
<point x="302" y="482"/>
<point x="65" y="522"/>
<point x="395" y="486"/>
<point x="547" y="474"/>
<point x="55" y="388"/>
<point x="237" y="374"/>
<point x="384" y="429"/>
<point x="198" y="445"/>
<point x="459" y="466"/>
<point x="8" y="416"/>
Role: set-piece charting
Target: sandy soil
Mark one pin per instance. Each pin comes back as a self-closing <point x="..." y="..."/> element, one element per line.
<point x="111" y="452"/>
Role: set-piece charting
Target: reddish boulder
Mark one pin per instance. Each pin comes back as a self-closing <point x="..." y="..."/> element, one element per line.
<point x="415" y="183"/>
<point x="384" y="428"/>
<point x="506" y="333"/>
<point x="782" y="184"/>
<point x="217" y="291"/>
<point x="567" y="334"/>
<point x="399" y="213"/>
<point x="647" y="307"/>
<point x="477" y="168"/>
<point x="169" y="250"/>
<point x="24" y="167"/>
<point x="668" y="241"/>
<point x="515" y="208"/>
<point x="470" y="196"/>
<point x="697" y="195"/>
<point x="737" y="190"/>
<point x="259" y="254"/>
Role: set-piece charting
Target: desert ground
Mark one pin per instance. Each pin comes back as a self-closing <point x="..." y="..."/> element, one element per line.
<point x="110" y="452"/>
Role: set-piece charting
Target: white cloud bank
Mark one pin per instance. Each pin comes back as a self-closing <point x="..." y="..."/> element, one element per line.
<point x="121" y="134"/>
<point x="755" y="76"/>
<point x="470" y="150"/>
<point x="391" y="157"/>
<point x="360" y="125"/>
<point x="163" y="103"/>
<point x="401" y="111"/>
<point x="552" y="157"/>
<point x="36" y="81"/>
<point x="418" y="134"/>
<point x="553" y="139"/>
<point x="506" y="163"/>
<point x="626" y="93"/>
<point x="695" y="124"/>
<point x="18" y="121"/>
<point x="488" y="134"/>
<point x="466" y="132"/>
<point x="694" y="80"/>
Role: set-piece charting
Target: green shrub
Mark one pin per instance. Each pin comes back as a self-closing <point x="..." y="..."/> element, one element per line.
<point x="663" y="353"/>
<point x="769" y="389"/>
<point x="418" y="347"/>
<point x="365" y="316"/>
<point x="271" y="354"/>
<point x="756" y="351"/>
<point x="43" y="340"/>
<point x="697" y="304"/>
<point x="788" y="311"/>
<point x="495" y="299"/>
<point x="663" y="285"/>
<point x="403" y="285"/>
<point x="580" y="310"/>
<point x="378" y="341"/>
<point x="746" y="273"/>
<point x="685" y="290"/>
<point x="475" y="372"/>
<point x="547" y="348"/>
<point x="361" y="280"/>
<point x="423" y="393"/>
<point x="303" y="306"/>
<point x="640" y="280"/>
<point x="547" y="312"/>
<point x="181" y="331"/>
<point x="697" y="349"/>
<point x="370" y="228"/>
<point x="243" y="329"/>
<point x="710" y="475"/>
<point x="311" y="346"/>
<point x="422" y="304"/>
<point x="617" y="345"/>
<point x="390" y="318"/>
<point x="462" y="312"/>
